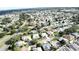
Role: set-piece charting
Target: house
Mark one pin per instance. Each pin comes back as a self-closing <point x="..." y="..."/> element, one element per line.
<point x="46" y="47"/>
<point x="69" y="37"/>
<point x="44" y="35"/>
<point x="76" y="35"/>
<point x="35" y="36"/>
<point x="50" y="33"/>
<point x="63" y="38"/>
<point x="21" y="46"/>
<point x="24" y="48"/>
<point x="42" y="41"/>
<point x="55" y="44"/>
<point x="20" y="43"/>
<point x="48" y="39"/>
<point x="33" y="48"/>
<point x="26" y="38"/>
<point x="1" y="29"/>
<point x="32" y="32"/>
<point x="39" y="49"/>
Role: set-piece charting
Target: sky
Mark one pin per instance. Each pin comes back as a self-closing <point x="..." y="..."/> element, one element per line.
<point x="16" y="4"/>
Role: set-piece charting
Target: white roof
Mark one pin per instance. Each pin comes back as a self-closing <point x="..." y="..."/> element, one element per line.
<point x="44" y="35"/>
<point x="25" y="38"/>
<point x="35" y="36"/>
<point x="77" y="34"/>
<point x="61" y="38"/>
<point x="20" y="43"/>
<point x="54" y="43"/>
<point x="48" y="39"/>
<point x="39" y="49"/>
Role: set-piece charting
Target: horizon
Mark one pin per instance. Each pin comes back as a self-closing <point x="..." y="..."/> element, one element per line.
<point x="14" y="8"/>
<point x="21" y="4"/>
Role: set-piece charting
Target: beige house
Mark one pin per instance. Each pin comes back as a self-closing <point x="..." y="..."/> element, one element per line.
<point x="71" y="38"/>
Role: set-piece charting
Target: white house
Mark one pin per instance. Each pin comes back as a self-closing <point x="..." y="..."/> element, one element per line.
<point x="55" y="44"/>
<point x="44" y="35"/>
<point x="66" y="40"/>
<point x="39" y="49"/>
<point x="46" y="47"/>
<point x="36" y="36"/>
<point x="76" y="35"/>
<point x="20" y="43"/>
<point x="25" y="38"/>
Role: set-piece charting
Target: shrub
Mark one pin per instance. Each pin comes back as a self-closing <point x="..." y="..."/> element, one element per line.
<point x="70" y="30"/>
<point x="2" y="34"/>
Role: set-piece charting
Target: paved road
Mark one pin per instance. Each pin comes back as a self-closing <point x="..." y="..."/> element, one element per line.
<point x="70" y="47"/>
<point x="4" y="47"/>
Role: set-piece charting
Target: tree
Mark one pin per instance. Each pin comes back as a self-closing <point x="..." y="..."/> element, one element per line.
<point x="6" y="29"/>
<point x="49" y="22"/>
<point x="61" y="34"/>
<point x="70" y="30"/>
<point x="55" y="39"/>
<point x="56" y="33"/>
<point x="12" y="31"/>
<point x="6" y="20"/>
<point x="22" y="16"/>
<point x="12" y="42"/>
<point x="32" y="42"/>
<point x="76" y="19"/>
<point x="2" y="34"/>
<point x="38" y="44"/>
<point x="62" y="42"/>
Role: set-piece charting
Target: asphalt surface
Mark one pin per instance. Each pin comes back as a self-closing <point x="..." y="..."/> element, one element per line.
<point x="3" y="46"/>
<point x="70" y="47"/>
